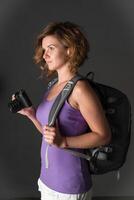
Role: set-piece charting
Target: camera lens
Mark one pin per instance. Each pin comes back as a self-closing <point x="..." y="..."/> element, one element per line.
<point x="14" y="106"/>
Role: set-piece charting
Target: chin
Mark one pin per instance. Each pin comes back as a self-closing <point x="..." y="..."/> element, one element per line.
<point x="52" y="68"/>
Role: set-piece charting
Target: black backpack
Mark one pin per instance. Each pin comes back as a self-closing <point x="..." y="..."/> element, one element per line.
<point x="118" y="112"/>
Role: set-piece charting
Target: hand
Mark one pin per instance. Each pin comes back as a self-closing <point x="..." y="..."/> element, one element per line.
<point x="53" y="136"/>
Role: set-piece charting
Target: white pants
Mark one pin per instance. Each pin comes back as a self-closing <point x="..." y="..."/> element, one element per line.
<point x="49" y="194"/>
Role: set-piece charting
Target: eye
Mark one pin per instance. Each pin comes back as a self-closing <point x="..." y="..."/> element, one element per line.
<point x="51" y="48"/>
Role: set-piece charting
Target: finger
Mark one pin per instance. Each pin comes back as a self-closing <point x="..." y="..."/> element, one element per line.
<point x="49" y="133"/>
<point x="13" y="96"/>
<point x="51" y="128"/>
<point x="48" y="128"/>
<point x="49" y="137"/>
<point x="49" y="140"/>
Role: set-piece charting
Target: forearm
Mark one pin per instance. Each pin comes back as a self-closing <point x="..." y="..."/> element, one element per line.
<point x="36" y="123"/>
<point x="87" y="140"/>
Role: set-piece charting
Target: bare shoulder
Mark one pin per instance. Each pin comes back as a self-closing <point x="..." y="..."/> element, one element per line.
<point x="82" y="84"/>
<point x="83" y="96"/>
<point x="83" y="90"/>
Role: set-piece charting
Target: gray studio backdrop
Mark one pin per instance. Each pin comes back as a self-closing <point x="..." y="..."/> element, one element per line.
<point x="109" y="28"/>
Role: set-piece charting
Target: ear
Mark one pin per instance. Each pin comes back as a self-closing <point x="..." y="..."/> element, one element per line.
<point x="68" y="52"/>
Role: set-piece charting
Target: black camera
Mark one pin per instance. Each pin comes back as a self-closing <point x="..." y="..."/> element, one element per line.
<point x="21" y="101"/>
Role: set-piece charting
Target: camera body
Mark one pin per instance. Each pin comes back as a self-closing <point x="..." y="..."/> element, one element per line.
<point x="21" y="101"/>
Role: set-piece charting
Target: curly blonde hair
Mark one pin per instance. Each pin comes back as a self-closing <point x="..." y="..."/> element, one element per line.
<point x="70" y="35"/>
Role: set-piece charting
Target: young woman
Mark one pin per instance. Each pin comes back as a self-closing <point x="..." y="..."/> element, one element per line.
<point x="60" y="50"/>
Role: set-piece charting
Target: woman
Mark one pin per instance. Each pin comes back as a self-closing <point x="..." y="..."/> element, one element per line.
<point x="60" y="50"/>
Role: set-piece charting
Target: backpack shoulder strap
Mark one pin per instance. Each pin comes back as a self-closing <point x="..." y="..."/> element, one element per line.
<point x="51" y="83"/>
<point x="57" y="105"/>
<point x="61" y="98"/>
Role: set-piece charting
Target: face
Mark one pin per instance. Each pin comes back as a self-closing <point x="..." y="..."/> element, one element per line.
<point x="55" y="54"/>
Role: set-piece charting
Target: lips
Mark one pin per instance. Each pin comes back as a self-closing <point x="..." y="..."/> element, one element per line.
<point x="48" y="62"/>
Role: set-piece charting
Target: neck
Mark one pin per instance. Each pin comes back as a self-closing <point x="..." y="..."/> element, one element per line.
<point x="64" y="74"/>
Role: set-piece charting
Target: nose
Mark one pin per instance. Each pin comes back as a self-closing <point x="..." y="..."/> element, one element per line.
<point x="46" y="54"/>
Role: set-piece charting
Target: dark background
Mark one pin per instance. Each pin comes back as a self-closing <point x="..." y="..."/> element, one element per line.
<point x="109" y="28"/>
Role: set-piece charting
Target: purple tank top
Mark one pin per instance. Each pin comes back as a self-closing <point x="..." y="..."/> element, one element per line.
<point x="66" y="173"/>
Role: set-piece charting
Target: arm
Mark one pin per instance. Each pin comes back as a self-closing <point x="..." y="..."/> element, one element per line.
<point x="93" y="113"/>
<point x="36" y="123"/>
<point x="30" y="113"/>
